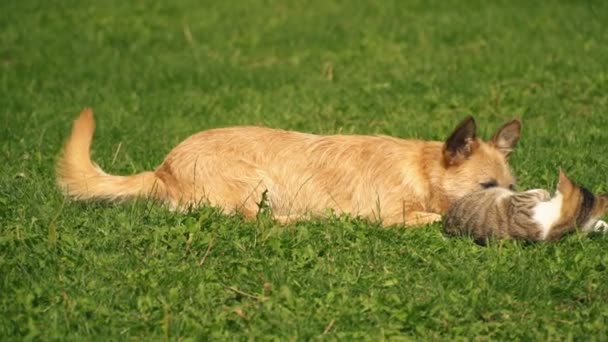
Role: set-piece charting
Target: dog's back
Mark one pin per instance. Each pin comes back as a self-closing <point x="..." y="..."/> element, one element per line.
<point x="394" y="180"/>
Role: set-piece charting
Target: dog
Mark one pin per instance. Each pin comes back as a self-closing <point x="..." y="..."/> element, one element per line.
<point x="299" y="175"/>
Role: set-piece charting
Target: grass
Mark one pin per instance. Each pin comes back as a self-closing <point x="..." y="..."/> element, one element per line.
<point x="156" y="72"/>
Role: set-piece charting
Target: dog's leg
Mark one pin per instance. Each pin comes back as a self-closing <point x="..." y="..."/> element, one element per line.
<point x="412" y="219"/>
<point x="292" y="218"/>
<point x="416" y="218"/>
<point x="285" y="219"/>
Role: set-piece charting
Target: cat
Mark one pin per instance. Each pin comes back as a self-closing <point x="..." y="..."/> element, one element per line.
<point x="532" y="215"/>
<point x="391" y="180"/>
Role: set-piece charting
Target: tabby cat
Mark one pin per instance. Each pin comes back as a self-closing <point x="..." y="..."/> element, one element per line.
<point x="531" y="215"/>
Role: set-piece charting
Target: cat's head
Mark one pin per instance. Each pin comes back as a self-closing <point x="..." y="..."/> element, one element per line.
<point x="472" y="164"/>
<point x="580" y="203"/>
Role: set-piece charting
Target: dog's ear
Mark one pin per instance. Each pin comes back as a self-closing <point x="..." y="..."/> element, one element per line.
<point x="461" y="143"/>
<point x="507" y="137"/>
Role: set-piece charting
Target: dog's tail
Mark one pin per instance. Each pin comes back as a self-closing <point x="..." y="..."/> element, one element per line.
<point x="82" y="179"/>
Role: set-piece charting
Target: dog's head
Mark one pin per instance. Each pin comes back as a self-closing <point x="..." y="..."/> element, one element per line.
<point x="472" y="164"/>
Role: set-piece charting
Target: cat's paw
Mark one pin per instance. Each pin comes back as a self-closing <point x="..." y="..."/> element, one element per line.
<point x="600" y="227"/>
<point x="542" y="194"/>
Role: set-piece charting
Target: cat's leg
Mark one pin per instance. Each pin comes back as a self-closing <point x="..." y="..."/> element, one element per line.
<point x="559" y="231"/>
<point x="600" y="227"/>
<point x="541" y="194"/>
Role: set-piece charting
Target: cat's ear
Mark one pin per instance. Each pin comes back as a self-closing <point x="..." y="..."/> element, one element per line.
<point x="461" y="143"/>
<point x="507" y="137"/>
<point x="564" y="184"/>
<point x="603" y="202"/>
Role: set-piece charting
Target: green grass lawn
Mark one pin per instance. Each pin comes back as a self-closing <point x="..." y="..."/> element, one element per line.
<point x="156" y="73"/>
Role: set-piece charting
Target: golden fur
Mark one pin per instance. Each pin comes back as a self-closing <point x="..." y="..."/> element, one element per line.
<point x="393" y="180"/>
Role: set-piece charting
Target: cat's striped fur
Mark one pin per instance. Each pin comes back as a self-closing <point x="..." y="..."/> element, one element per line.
<point x="530" y="215"/>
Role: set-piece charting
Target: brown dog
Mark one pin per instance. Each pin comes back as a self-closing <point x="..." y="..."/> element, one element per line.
<point x="408" y="182"/>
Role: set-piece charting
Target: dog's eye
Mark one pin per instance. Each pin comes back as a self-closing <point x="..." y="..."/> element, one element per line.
<point x="489" y="184"/>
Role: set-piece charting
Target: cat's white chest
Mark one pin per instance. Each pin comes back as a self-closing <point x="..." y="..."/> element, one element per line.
<point x="547" y="213"/>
